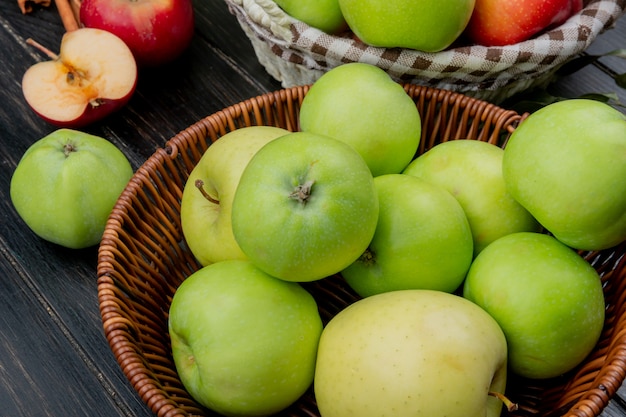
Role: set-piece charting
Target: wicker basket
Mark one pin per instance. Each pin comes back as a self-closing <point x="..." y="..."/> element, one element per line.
<point x="143" y="258"/>
<point x="297" y="54"/>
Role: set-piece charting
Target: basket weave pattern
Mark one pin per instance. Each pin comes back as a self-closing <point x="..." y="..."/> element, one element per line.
<point x="143" y="258"/>
<point x="297" y="54"/>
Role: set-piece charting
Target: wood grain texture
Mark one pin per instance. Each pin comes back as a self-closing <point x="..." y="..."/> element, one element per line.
<point x="54" y="359"/>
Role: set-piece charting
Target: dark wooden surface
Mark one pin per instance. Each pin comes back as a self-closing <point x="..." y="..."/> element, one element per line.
<point x="54" y="359"/>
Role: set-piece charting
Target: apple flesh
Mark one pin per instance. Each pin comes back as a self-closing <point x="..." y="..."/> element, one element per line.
<point x="244" y="343"/>
<point x="94" y="75"/>
<point x="205" y="208"/>
<point x="422" y="240"/>
<point x="66" y="185"/>
<point x="411" y="353"/>
<point x="506" y="22"/>
<point x="566" y="164"/>
<point x="425" y="25"/>
<point x="156" y="31"/>
<point x="546" y="298"/>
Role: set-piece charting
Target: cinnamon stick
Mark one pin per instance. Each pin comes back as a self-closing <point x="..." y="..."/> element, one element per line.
<point x="66" y="12"/>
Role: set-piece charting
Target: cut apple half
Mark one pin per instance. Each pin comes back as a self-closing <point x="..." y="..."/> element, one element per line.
<point x="94" y="74"/>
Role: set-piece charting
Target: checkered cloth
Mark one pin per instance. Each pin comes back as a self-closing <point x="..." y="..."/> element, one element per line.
<point x="307" y="52"/>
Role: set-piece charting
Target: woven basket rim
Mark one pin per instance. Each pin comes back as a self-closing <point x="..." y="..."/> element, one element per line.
<point x="136" y="280"/>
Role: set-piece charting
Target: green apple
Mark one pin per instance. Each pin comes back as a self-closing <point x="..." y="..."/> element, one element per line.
<point x="547" y="299"/>
<point x="321" y="14"/>
<point x="361" y="105"/>
<point x="66" y="184"/>
<point x="205" y="208"/>
<point x="566" y="164"/>
<point x="425" y="25"/>
<point x="422" y="240"/>
<point x="411" y="353"/>
<point x="244" y="343"/>
<point x="305" y="208"/>
<point x="471" y="170"/>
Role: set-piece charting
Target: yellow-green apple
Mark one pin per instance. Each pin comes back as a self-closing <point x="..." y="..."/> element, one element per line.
<point x="505" y="22"/>
<point x="66" y="184"/>
<point x="546" y="298"/>
<point x="361" y="105"/>
<point x="305" y="208"/>
<point x="566" y="164"/>
<point x="425" y="25"/>
<point x="321" y="14"/>
<point x="244" y="343"/>
<point x="205" y="208"/>
<point x="422" y="240"/>
<point x="93" y="75"/>
<point x="156" y="31"/>
<point x="411" y="353"/>
<point x="471" y="171"/>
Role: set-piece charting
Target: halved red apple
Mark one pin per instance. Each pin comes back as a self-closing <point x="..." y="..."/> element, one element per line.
<point x="94" y="75"/>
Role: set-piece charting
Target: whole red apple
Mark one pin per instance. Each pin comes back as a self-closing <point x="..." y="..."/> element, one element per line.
<point x="157" y="31"/>
<point x="93" y="75"/>
<point x="506" y="22"/>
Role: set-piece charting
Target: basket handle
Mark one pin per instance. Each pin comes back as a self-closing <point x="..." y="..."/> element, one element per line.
<point x="267" y="14"/>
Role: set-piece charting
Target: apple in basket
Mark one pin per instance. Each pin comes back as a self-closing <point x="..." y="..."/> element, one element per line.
<point x="205" y="208"/>
<point x="471" y="170"/>
<point x="361" y="105"/>
<point x="422" y="240"/>
<point x="546" y="298"/>
<point x="305" y="208"/>
<point x="566" y="164"/>
<point x="66" y="184"/>
<point x="244" y="343"/>
<point x="93" y="75"/>
<point x="506" y="22"/>
<point x="414" y="352"/>
<point x="157" y="31"/>
<point x="324" y="15"/>
<point x="425" y="25"/>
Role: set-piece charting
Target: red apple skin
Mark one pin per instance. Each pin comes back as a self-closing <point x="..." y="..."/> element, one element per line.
<point x="506" y="22"/>
<point x="156" y="31"/>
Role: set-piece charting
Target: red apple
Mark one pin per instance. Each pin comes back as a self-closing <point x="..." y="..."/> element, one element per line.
<point x="94" y="75"/>
<point x="157" y="31"/>
<point x="506" y="22"/>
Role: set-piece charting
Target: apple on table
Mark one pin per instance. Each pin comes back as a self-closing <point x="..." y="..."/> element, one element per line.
<point x="506" y="22"/>
<point x="94" y="75"/>
<point x="156" y="31"/>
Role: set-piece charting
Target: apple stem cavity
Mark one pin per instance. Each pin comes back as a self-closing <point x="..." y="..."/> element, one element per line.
<point x="200" y="186"/>
<point x="510" y="405"/>
<point x="302" y="192"/>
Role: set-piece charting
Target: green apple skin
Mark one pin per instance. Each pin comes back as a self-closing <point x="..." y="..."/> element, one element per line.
<point x="361" y="105"/>
<point x="547" y="299"/>
<point x="471" y="170"/>
<point x="207" y="224"/>
<point x="306" y="207"/>
<point x="422" y="240"/>
<point x="411" y="353"/>
<point x="66" y="184"/>
<point x="321" y="14"/>
<point x="244" y="343"/>
<point x="424" y="25"/>
<point x="566" y="164"/>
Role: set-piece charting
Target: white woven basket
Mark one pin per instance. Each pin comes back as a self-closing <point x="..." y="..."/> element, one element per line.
<point x="296" y="54"/>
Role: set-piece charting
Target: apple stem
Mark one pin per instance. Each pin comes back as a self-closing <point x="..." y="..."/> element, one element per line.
<point x="510" y="405"/>
<point x="42" y="48"/>
<point x="302" y="192"/>
<point x="200" y="186"/>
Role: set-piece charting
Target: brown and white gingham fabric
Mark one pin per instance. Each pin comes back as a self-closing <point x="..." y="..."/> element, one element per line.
<point x="461" y="68"/>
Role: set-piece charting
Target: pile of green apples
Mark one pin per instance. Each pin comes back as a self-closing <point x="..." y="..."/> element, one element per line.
<point x="464" y="257"/>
